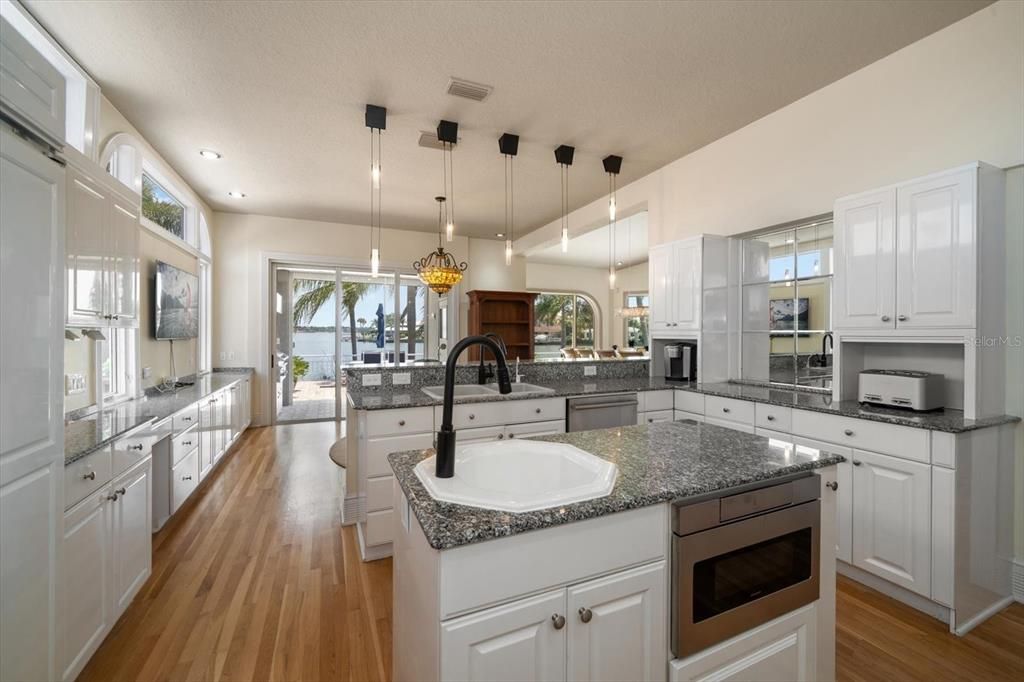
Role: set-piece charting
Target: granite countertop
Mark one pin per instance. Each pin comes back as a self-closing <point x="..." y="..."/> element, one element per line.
<point x="948" y="420"/>
<point x="411" y="396"/>
<point x="657" y="463"/>
<point x="92" y="432"/>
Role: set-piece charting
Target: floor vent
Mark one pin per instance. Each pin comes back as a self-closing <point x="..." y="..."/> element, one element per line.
<point x="1018" y="581"/>
<point x="477" y="92"/>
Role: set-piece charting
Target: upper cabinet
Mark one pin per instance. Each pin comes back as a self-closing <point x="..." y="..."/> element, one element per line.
<point x="102" y="261"/>
<point x="912" y="256"/>
<point x="675" y="284"/>
<point x="32" y="91"/>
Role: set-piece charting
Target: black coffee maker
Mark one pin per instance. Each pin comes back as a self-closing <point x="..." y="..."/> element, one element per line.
<point x="681" y="361"/>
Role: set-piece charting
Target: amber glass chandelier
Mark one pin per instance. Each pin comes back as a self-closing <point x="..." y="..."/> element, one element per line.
<point x="439" y="270"/>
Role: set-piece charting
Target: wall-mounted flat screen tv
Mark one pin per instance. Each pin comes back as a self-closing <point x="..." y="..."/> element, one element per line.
<point x="784" y="313"/>
<point x="176" y="308"/>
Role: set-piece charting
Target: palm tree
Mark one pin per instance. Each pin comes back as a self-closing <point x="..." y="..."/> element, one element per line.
<point x="555" y="309"/>
<point x="313" y="294"/>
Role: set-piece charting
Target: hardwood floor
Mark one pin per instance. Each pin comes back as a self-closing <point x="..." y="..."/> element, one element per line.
<point x="256" y="579"/>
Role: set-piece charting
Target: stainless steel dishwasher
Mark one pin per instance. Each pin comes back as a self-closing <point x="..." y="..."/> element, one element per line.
<point x="601" y="411"/>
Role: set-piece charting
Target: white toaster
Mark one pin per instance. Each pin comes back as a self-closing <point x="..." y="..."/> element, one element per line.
<point x="901" y="388"/>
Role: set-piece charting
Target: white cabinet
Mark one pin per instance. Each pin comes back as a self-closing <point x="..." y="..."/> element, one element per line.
<point x="617" y="626"/>
<point x="521" y="642"/>
<point x="107" y="556"/>
<point x="31" y="89"/>
<point x="911" y="256"/>
<point x="235" y="403"/>
<point x="865" y="268"/>
<point x="31" y="408"/>
<point x="892" y="519"/>
<point x="86" y="606"/>
<point x="132" y="537"/>
<point x="102" y="262"/>
<point x="675" y="287"/>
<point x="936" y="246"/>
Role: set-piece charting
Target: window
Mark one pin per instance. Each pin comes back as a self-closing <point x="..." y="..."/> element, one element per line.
<point x="117" y="362"/>
<point x="787" y="305"/>
<point x="636" y="334"/>
<point x="161" y="207"/>
<point x="563" y="321"/>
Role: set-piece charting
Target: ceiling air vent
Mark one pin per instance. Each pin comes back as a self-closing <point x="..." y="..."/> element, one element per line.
<point x="429" y="140"/>
<point x="477" y="92"/>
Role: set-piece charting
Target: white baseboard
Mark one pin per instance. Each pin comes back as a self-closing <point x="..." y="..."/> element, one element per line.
<point x="963" y="628"/>
<point x="376" y="551"/>
<point x="901" y="594"/>
<point x="1018" y="580"/>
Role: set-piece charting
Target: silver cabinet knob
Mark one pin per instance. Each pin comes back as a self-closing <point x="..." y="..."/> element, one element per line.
<point x="120" y="491"/>
<point x="472" y="417"/>
<point x="650" y="420"/>
<point x="833" y="485"/>
<point x="401" y="422"/>
<point x="186" y="442"/>
<point x="115" y="317"/>
<point x="856" y="462"/>
<point x="186" y="478"/>
<point x="585" y="614"/>
<point x="537" y="410"/>
<point x="511" y="435"/>
<point x="112" y="498"/>
<point x="188" y="419"/>
<point x="771" y="418"/>
<point x="501" y="436"/>
<point x="885" y="318"/>
<point x="135" y="447"/>
<point x="91" y="476"/>
<point x="901" y="318"/>
<point x="726" y="410"/>
<point x="848" y="432"/>
<point x="558" y="621"/>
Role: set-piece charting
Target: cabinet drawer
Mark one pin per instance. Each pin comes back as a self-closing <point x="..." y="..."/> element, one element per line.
<point x="899" y="441"/>
<point x="378" y="493"/>
<point x="184" y="479"/>
<point x="773" y="417"/>
<point x="656" y="416"/>
<point x="651" y="401"/>
<point x="378" y="528"/>
<point x="378" y="449"/>
<point x="130" y="450"/>
<point x="184" y="443"/>
<point x="679" y="415"/>
<point x="407" y="420"/>
<point x="85" y="475"/>
<point x="688" y="401"/>
<point x="185" y="419"/>
<point x="536" y="429"/>
<point x="725" y="423"/>
<point x="729" y="409"/>
<point x="469" y="415"/>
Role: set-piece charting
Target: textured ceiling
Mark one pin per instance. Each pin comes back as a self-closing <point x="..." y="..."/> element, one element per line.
<point x="279" y="88"/>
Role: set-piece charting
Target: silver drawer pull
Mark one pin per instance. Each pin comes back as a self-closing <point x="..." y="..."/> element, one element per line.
<point x="120" y="491"/>
<point x="401" y="422"/>
<point x="186" y="478"/>
<point x="91" y="476"/>
<point x="188" y="419"/>
<point x="833" y="485"/>
<point x="186" y="442"/>
<point x="511" y="435"/>
<point x="585" y="614"/>
<point x="537" y="410"/>
<point x="901" y="318"/>
<point x="472" y="417"/>
<point x="771" y="418"/>
<point x="112" y="498"/>
<point x="501" y="436"/>
<point x="598" y="406"/>
<point x="856" y="462"/>
<point x="726" y="410"/>
<point x="135" y="447"/>
<point x="885" y="318"/>
<point x="558" y="621"/>
<point x="848" y="432"/>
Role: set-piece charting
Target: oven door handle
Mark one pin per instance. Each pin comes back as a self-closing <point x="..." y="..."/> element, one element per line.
<point x="601" y="406"/>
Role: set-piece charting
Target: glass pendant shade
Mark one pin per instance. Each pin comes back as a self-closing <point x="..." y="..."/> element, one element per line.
<point x="375" y="175"/>
<point x="374" y="261"/>
<point x="611" y="278"/>
<point x="565" y="240"/>
<point x="611" y="209"/>
<point x="450" y="230"/>
<point x="508" y="252"/>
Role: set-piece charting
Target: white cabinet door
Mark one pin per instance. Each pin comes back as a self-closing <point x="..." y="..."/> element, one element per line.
<point x="937" y="245"/>
<point x="207" y="444"/>
<point x="865" y="267"/>
<point x="87" y="247"/>
<point x="892" y="519"/>
<point x="517" y="642"/>
<point x="31" y="410"/>
<point x="617" y="627"/>
<point x="132" y="537"/>
<point x="661" y="288"/>
<point x="686" y="268"/>
<point x="85" y="605"/>
<point x="30" y="86"/>
<point x="123" y="277"/>
<point x="236" y="410"/>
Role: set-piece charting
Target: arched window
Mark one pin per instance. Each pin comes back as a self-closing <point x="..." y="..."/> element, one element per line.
<point x="564" y="320"/>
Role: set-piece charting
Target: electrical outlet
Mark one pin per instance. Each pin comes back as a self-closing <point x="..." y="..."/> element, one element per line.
<point x="371" y="379"/>
<point x="147" y="372"/>
<point x="590" y="370"/>
<point x="74" y="384"/>
<point x="401" y="379"/>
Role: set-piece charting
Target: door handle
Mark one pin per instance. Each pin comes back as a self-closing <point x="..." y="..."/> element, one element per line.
<point x="599" y="406"/>
<point x="833" y="485"/>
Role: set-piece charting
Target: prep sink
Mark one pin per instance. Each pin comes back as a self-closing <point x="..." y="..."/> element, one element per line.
<point x="520" y="476"/>
<point x="476" y="390"/>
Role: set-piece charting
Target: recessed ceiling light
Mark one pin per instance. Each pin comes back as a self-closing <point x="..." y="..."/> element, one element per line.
<point x="209" y="154"/>
<point x="236" y="195"/>
<point x="499" y="234"/>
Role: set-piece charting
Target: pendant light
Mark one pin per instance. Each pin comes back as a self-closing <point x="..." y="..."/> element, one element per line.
<point x="612" y="166"/>
<point x="376" y="121"/>
<point x="448" y="136"/>
<point x="563" y="156"/>
<point x="508" y="145"/>
<point x="439" y="270"/>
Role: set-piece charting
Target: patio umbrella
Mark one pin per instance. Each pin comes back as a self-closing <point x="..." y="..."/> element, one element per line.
<point x="380" y="325"/>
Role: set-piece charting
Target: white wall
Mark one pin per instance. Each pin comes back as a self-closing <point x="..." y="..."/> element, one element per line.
<point x="953" y="97"/>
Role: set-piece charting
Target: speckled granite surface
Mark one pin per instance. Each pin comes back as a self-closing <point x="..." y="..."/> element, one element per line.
<point x="950" y="421"/>
<point x="405" y="396"/>
<point x="90" y="433"/>
<point x="657" y="463"/>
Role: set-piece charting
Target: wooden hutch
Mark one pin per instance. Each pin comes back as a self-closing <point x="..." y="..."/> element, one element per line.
<point x="509" y="314"/>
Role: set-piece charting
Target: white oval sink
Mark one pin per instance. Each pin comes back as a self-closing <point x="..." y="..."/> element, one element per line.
<point x="520" y="476"/>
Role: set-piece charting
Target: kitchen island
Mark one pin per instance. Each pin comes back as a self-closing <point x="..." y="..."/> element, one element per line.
<point x="584" y="591"/>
